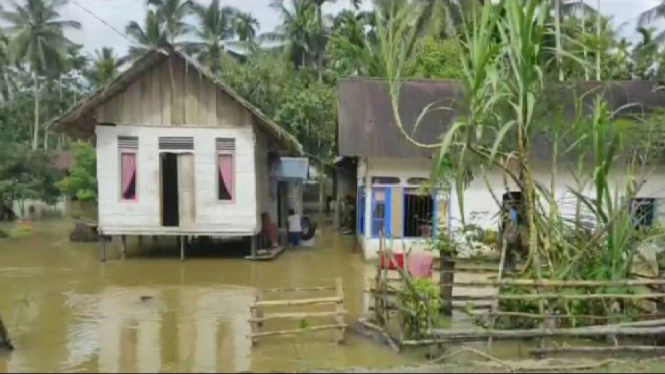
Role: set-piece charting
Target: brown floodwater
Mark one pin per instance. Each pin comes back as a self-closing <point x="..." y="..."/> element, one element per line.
<point x="67" y="311"/>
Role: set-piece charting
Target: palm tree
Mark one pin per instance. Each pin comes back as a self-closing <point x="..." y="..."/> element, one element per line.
<point x="246" y="26"/>
<point x="105" y="66"/>
<point x="215" y="27"/>
<point x="171" y="15"/>
<point x="38" y="39"/>
<point x="652" y="14"/>
<point x="146" y="38"/>
<point x="296" y="34"/>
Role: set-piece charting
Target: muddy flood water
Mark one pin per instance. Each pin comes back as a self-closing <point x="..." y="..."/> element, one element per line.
<point x="67" y="311"/>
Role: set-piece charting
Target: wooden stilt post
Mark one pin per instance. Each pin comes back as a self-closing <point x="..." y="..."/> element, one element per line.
<point x="123" y="240"/>
<point x="182" y="248"/>
<point x="447" y="279"/>
<point x="102" y="248"/>
<point x="254" y="245"/>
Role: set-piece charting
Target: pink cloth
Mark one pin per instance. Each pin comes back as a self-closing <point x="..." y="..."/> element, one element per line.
<point x="128" y="174"/>
<point x="226" y="171"/>
<point x="420" y="265"/>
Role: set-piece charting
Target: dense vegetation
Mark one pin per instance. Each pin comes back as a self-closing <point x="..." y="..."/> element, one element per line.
<point x="290" y="72"/>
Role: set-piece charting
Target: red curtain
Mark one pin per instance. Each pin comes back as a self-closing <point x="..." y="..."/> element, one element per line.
<point x="128" y="175"/>
<point x="226" y="172"/>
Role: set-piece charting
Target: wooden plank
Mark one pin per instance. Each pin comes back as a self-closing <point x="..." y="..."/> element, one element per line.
<point x="397" y="206"/>
<point x="298" y="331"/>
<point x="153" y="97"/>
<point x="561" y="296"/>
<point x="270" y="255"/>
<point x="146" y="104"/>
<point x="339" y="308"/>
<point x="302" y="315"/>
<point x="220" y="109"/>
<point x="559" y="283"/>
<point x="178" y="93"/>
<point x="317" y="301"/>
<point x="133" y="102"/>
<point x="206" y="101"/>
<point x="298" y="289"/>
<point x="186" y="190"/>
<point x="614" y="349"/>
<point x="192" y="83"/>
<point x="167" y="86"/>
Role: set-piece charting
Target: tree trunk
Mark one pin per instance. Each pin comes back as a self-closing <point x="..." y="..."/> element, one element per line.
<point x="35" y="134"/>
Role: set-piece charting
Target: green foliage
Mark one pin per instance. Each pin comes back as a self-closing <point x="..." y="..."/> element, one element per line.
<point x="424" y="303"/>
<point x="82" y="179"/>
<point x="439" y="59"/>
<point x="26" y="174"/>
<point x="294" y="100"/>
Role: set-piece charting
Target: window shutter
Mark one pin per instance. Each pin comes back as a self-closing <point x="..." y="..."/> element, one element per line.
<point x="128" y="142"/>
<point x="176" y="143"/>
<point x="225" y="144"/>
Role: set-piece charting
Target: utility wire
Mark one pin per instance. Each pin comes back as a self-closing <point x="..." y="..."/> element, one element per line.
<point x="102" y="21"/>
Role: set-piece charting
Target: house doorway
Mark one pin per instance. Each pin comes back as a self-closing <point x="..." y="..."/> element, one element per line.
<point x="170" y="202"/>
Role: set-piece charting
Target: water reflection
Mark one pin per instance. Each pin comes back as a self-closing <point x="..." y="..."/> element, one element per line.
<point x="68" y="312"/>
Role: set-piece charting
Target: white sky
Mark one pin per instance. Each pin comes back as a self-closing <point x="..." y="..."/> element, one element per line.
<point x="118" y="13"/>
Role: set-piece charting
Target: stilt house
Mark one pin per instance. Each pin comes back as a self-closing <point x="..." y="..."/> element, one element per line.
<point x="179" y="152"/>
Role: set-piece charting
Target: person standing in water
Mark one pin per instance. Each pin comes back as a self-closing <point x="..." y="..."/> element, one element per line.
<point x="295" y="228"/>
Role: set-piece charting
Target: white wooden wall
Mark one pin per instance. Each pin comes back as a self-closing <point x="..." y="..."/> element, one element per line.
<point x="225" y="218"/>
<point x="479" y="205"/>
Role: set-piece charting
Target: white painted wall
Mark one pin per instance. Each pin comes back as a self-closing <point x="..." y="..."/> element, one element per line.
<point x="479" y="205"/>
<point x="144" y="216"/>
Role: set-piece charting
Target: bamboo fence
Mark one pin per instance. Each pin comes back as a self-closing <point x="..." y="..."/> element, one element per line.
<point x="336" y="303"/>
<point x="386" y="289"/>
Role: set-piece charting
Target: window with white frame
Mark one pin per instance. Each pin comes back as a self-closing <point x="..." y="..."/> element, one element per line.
<point x="128" y="149"/>
<point x="225" y="168"/>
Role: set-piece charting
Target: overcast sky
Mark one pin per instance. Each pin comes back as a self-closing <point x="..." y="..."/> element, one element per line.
<point x="117" y="13"/>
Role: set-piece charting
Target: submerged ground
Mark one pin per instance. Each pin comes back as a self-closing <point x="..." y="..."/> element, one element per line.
<point x="68" y="312"/>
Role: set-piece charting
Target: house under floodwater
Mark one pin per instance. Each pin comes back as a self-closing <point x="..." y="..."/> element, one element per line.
<point x="178" y="152"/>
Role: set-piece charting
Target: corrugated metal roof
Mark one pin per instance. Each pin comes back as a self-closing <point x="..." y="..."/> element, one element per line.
<point x="367" y="127"/>
<point x="294" y="167"/>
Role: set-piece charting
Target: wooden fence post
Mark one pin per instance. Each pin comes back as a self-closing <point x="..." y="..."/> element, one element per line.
<point x="447" y="279"/>
<point x="339" y="308"/>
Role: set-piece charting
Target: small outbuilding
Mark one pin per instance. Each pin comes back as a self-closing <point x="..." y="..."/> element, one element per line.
<point x="179" y="152"/>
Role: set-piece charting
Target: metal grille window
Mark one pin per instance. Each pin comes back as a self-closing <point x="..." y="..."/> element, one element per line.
<point x="642" y="211"/>
<point x="418" y="215"/>
<point x="176" y="143"/>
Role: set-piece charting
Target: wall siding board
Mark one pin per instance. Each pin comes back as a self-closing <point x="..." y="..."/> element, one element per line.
<point x="172" y="94"/>
<point x="192" y="83"/>
<point x="178" y="96"/>
<point x="397" y="210"/>
<point x="167" y="84"/>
